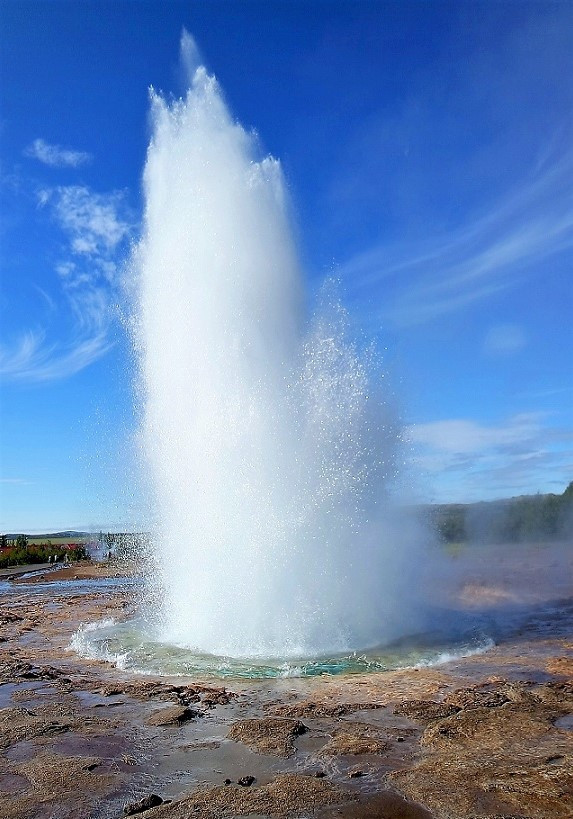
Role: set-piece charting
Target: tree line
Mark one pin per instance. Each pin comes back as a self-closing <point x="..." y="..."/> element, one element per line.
<point x="19" y="552"/>
<point x="524" y="519"/>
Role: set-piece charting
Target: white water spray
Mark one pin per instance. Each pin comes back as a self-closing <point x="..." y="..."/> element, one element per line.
<point x="269" y="448"/>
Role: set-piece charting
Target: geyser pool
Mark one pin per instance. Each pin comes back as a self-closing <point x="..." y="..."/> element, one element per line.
<point x="270" y="448"/>
<point x="130" y="647"/>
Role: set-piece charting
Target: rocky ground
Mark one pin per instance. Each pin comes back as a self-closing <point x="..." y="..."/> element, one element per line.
<point x="488" y="736"/>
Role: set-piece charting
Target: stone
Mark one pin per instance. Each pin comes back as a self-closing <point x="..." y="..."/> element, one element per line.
<point x="268" y="735"/>
<point x="355" y="773"/>
<point x="353" y="740"/>
<point x="288" y="795"/>
<point x="173" y="715"/>
<point x="150" y="801"/>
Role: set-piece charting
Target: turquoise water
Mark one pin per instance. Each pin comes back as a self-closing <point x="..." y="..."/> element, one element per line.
<point x="129" y="647"/>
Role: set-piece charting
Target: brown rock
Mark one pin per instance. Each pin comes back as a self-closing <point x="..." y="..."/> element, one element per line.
<point x="425" y="711"/>
<point x="506" y="757"/>
<point x="18" y="724"/>
<point x="356" y="773"/>
<point x="174" y="715"/>
<point x="563" y="666"/>
<point x="287" y="795"/>
<point x="54" y="777"/>
<point x="353" y="740"/>
<point x="316" y="708"/>
<point x="151" y="801"/>
<point x="268" y="735"/>
<point x="210" y="696"/>
<point x="487" y="696"/>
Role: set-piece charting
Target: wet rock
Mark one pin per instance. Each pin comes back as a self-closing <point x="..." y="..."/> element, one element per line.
<point x="554" y="759"/>
<point x="353" y="740"/>
<point x="287" y="795"/>
<point x="488" y="696"/>
<point x="228" y="782"/>
<point x="425" y="711"/>
<point x="108" y="704"/>
<point x="268" y="735"/>
<point x="13" y="669"/>
<point x="317" y="709"/>
<point x="558" y="693"/>
<point x="151" y="801"/>
<point x="246" y="781"/>
<point x="111" y="691"/>
<point x="209" y="696"/>
<point x="562" y="666"/>
<point x="52" y="729"/>
<point x="55" y="777"/>
<point x="503" y="754"/>
<point x="213" y="698"/>
<point x="174" y="715"/>
<point x="19" y="724"/>
<point x="356" y="773"/>
<point x="7" y="617"/>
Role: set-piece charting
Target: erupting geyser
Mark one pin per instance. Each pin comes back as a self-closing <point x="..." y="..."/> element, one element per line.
<point x="267" y="441"/>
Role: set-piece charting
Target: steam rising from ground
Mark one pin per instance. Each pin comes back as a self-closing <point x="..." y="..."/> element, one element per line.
<point x="270" y="447"/>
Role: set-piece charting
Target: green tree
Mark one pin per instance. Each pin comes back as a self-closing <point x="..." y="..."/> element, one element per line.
<point x="21" y="542"/>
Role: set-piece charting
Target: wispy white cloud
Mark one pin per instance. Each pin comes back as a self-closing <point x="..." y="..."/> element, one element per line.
<point x="32" y="358"/>
<point x="46" y="298"/>
<point x="95" y="223"/>
<point x="468" y="460"/>
<point x="462" y="437"/>
<point x="55" y="155"/>
<point x="504" y="340"/>
<point x="456" y="270"/>
<point x="94" y="227"/>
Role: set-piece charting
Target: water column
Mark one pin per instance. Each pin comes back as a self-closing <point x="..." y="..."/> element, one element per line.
<point x="268" y="444"/>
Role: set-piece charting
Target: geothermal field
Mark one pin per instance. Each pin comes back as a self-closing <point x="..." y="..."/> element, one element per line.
<point x="291" y="640"/>
<point x="479" y="732"/>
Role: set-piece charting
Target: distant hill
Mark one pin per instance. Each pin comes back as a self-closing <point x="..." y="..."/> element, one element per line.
<point x="53" y="536"/>
<point x="526" y="518"/>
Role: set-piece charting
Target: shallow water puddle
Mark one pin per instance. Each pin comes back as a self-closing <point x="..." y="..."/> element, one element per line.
<point x="13" y="783"/>
<point x="15" y="693"/>
<point x="21" y="751"/>
<point x="228" y="760"/>
<point x="98" y="700"/>
<point x="565" y="723"/>
<point x="6" y="691"/>
<point x="107" y="747"/>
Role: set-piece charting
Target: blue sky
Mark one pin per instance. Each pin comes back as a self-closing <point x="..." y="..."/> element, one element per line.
<point x="429" y="155"/>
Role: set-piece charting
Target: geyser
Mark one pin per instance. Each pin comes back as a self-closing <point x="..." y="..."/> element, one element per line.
<point x="269" y="447"/>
